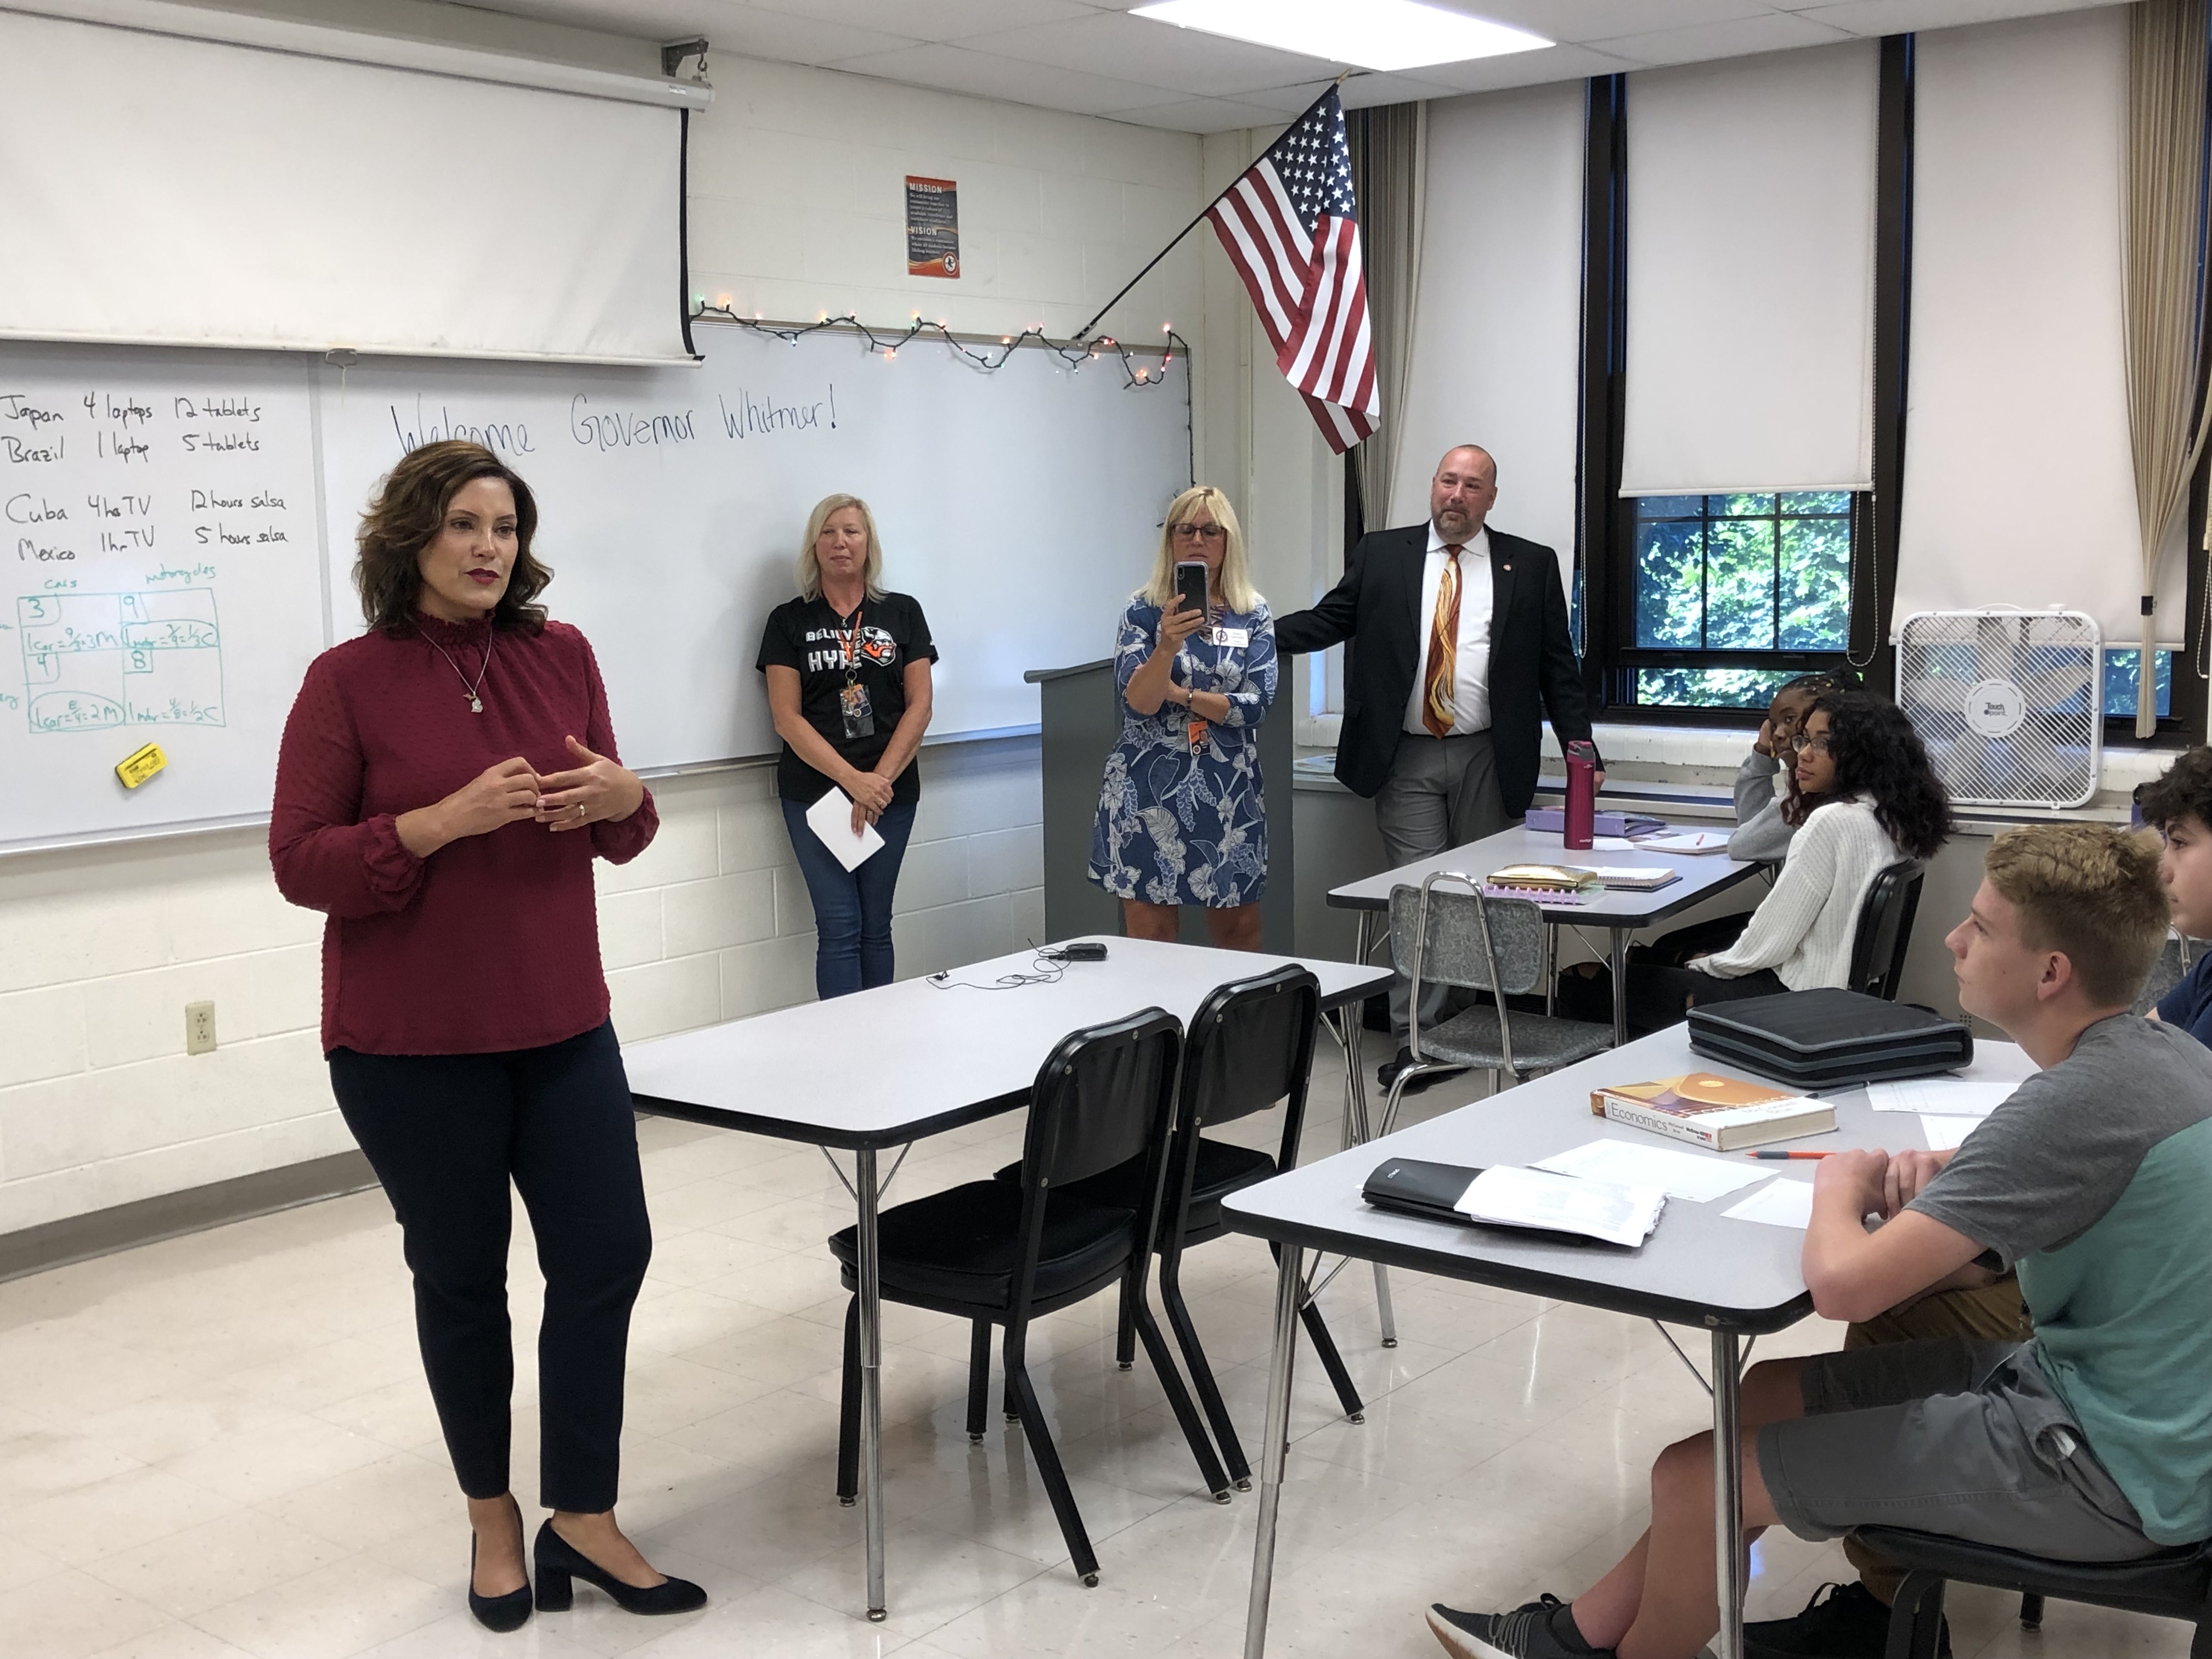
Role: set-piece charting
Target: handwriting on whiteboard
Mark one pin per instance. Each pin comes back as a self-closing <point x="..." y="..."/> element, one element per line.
<point x="606" y="425"/>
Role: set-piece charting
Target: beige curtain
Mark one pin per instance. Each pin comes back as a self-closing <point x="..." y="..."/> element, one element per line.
<point x="2167" y="64"/>
<point x="1389" y="145"/>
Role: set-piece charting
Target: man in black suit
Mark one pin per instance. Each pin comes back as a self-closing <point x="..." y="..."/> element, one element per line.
<point x="1457" y="631"/>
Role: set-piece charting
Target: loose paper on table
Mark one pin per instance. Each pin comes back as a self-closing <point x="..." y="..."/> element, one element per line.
<point x="1944" y="1097"/>
<point x="831" y="820"/>
<point x="1783" y="1203"/>
<point x="1679" y="1175"/>
<point x="1942" y="1133"/>
<point x="1563" y="1204"/>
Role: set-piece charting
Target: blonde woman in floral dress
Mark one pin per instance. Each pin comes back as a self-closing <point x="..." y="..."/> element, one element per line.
<point x="1181" y="817"/>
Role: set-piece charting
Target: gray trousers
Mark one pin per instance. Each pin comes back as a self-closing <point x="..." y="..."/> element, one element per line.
<point x="1442" y="792"/>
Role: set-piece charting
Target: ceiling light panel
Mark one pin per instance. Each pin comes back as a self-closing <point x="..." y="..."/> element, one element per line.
<point x="1376" y="34"/>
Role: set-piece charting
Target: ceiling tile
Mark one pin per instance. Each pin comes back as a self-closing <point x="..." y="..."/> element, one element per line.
<point x="642" y="20"/>
<point x="1154" y="54"/>
<point x="1773" y="32"/>
<point x="956" y="68"/>
<point x="1203" y="115"/>
<point x="1584" y="20"/>
<point x="1901" y="16"/>
<point x="932" y="20"/>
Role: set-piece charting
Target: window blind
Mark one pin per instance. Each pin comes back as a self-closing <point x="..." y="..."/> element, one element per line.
<point x="1496" y="325"/>
<point x="2019" y="481"/>
<point x="1751" y="215"/>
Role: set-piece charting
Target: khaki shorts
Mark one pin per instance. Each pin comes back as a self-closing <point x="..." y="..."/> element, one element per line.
<point x="1951" y="1435"/>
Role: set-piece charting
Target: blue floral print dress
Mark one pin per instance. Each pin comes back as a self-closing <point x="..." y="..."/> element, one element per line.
<point x="1176" y="827"/>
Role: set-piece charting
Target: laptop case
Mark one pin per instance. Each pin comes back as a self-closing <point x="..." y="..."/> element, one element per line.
<point x="1829" y="1038"/>
<point x="1411" y="1186"/>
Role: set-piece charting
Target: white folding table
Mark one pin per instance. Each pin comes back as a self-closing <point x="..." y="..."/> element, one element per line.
<point x="886" y="1068"/>
<point x="1732" y="1278"/>
<point x="1617" y="909"/>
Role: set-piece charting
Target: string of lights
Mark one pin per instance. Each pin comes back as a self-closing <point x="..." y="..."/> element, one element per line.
<point x="1136" y="372"/>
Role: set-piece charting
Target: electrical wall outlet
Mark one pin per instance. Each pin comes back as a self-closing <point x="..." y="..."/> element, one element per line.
<point x="199" y="1028"/>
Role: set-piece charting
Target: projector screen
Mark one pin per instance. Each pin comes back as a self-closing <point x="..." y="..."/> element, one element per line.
<point x="157" y="189"/>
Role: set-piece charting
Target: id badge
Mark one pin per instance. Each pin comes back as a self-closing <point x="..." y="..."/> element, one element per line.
<point x="1195" y="731"/>
<point x="859" y="719"/>
<point x="1233" y="639"/>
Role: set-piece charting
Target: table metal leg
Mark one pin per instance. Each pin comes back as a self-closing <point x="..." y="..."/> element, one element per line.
<point x="1357" y="1128"/>
<point x="1289" y="1278"/>
<point x="872" y="1398"/>
<point x="1728" y="1495"/>
<point x="1620" y="984"/>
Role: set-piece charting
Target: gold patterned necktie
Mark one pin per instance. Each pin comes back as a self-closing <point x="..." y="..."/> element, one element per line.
<point x="1444" y="649"/>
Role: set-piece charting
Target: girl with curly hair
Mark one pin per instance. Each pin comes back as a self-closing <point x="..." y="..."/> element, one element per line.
<point x="1882" y="805"/>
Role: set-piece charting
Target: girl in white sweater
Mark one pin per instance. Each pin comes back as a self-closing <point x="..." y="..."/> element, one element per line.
<point x="1884" y="805"/>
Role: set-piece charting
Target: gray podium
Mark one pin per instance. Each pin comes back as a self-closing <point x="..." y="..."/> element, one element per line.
<point x="1082" y="721"/>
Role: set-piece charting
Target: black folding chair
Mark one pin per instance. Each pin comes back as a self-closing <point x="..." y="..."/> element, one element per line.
<point x="1885" y="931"/>
<point x="1002" y="1253"/>
<point x="1251" y="1045"/>
<point x="2175" y="1583"/>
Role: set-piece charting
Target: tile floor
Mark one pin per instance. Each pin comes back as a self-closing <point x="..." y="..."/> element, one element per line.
<point x="221" y="1446"/>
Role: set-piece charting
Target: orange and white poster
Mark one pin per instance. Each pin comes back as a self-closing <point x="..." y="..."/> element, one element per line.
<point x="933" y="228"/>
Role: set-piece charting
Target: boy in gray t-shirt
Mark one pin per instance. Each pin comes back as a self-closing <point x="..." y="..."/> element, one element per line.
<point x="2092" y="1442"/>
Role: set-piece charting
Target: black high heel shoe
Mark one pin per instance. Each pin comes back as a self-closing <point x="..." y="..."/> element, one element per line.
<point x="559" y="1562"/>
<point x="505" y="1613"/>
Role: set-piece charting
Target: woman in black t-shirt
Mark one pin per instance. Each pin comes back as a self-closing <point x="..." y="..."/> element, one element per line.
<point x="847" y="668"/>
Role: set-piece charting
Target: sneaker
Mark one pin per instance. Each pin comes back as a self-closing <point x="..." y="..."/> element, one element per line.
<point x="1531" y="1631"/>
<point x="1842" y="1621"/>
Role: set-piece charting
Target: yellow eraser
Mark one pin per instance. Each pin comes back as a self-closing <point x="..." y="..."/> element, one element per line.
<point x="137" y="769"/>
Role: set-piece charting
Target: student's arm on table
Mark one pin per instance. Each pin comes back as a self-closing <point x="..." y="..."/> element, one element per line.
<point x="1854" y="1274"/>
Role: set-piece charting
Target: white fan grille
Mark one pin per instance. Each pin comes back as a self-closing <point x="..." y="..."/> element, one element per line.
<point x="2011" y="703"/>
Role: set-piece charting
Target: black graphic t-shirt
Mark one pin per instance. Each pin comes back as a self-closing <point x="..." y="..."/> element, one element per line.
<point x="809" y="636"/>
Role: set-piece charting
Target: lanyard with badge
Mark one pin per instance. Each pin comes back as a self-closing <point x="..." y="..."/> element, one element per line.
<point x="1196" y="729"/>
<point x="852" y="697"/>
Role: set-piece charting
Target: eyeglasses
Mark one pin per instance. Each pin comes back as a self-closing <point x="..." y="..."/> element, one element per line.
<point x="1814" y="745"/>
<point x="1191" y="532"/>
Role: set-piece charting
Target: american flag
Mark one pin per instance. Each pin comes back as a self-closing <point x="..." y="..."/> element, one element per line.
<point x="1292" y="228"/>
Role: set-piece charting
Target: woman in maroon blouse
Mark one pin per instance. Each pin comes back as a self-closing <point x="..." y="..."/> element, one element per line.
<point x="444" y="782"/>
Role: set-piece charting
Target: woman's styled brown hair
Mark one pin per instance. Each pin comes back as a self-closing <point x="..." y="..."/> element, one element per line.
<point x="404" y="518"/>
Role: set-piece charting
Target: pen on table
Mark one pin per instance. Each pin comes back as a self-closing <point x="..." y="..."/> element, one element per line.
<point x="1781" y="1155"/>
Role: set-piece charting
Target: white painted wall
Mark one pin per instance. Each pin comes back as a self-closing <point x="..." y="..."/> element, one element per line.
<point x="798" y="178"/>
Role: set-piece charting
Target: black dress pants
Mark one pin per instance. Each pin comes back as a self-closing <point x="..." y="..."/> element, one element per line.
<point x="1660" y="993"/>
<point x="445" y="1133"/>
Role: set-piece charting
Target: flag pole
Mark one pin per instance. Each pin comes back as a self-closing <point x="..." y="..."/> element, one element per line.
<point x="1082" y="334"/>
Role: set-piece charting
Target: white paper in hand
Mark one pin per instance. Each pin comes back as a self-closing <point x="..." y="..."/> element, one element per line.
<point x="830" y="819"/>
<point x="1563" y="1204"/>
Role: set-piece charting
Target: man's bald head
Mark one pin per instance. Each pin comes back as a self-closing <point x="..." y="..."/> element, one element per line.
<point x="1462" y="492"/>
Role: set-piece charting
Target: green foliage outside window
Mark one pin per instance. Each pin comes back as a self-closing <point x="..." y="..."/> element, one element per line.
<point x="1743" y="572"/>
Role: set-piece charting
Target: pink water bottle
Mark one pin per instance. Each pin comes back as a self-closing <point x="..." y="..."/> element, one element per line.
<point x="1581" y="794"/>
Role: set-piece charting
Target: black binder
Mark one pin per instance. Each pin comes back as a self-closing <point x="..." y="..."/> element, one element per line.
<point x="1829" y="1038"/>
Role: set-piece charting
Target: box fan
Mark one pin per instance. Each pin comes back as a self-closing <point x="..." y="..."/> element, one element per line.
<point x="2009" y="702"/>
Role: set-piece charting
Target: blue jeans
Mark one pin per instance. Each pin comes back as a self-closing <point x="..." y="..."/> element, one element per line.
<point x="852" y="908"/>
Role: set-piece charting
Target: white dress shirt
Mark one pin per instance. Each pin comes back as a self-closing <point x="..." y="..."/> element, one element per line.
<point x="1471" y="665"/>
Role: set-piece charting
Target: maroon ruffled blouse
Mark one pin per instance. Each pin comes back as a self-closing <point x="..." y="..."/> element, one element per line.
<point x="492" y="943"/>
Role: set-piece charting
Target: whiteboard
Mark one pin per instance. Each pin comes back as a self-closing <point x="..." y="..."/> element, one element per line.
<point x="160" y="580"/>
<point x="1020" y="507"/>
<point x="178" y="538"/>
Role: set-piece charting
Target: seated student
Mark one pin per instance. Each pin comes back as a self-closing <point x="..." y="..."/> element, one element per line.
<point x="2091" y="1443"/>
<point x="1770" y="808"/>
<point x="1769" y="805"/>
<point x="1884" y="805"/>
<point x="2179" y="805"/>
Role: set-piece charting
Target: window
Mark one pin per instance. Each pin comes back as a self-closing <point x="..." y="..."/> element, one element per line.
<point x="2122" y="669"/>
<point x="1716" y="575"/>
